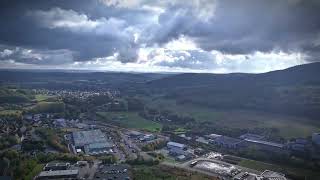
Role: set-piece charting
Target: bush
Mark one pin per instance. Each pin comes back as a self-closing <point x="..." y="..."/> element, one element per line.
<point x="108" y="159"/>
<point x="154" y="145"/>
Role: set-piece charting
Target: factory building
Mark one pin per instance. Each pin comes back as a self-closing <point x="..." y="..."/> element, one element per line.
<point x="227" y="142"/>
<point x="177" y="148"/>
<point x="271" y="175"/>
<point x="266" y="145"/>
<point x="91" y="142"/>
<point x="251" y="136"/>
<point x="60" y="174"/>
<point x="56" y="166"/>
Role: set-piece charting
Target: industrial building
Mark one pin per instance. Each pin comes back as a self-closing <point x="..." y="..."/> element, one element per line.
<point x="271" y="175"/>
<point x="91" y="142"/>
<point x="266" y="145"/>
<point x="245" y="176"/>
<point x="227" y="142"/>
<point x="56" y="166"/>
<point x="60" y="174"/>
<point x="135" y="134"/>
<point x="298" y="146"/>
<point x="148" y="137"/>
<point x="251" y="136"/>
<point x="177" y="148"/>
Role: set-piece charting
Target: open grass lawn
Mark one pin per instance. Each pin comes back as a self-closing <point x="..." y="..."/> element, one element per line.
<point x="289" y="126"/>
<point x="130" y="120"/>
<point x="289" y="171"/>
<point x="42" y="97"/>
<point x="180" y="131"/>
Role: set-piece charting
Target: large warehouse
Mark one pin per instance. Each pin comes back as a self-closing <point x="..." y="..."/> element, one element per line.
<point x="91" y="142"/>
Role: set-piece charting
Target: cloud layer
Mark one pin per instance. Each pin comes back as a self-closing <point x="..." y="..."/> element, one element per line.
<point x="151" y="36"/>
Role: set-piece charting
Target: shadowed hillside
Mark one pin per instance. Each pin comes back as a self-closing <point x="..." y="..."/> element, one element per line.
<point x="294" y="91"/>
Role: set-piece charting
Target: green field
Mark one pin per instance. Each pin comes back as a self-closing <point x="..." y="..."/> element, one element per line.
<point x="130" y="120"/>
<point x="288" y="126"/>
<point x="49" y="107"/>
<point x="180" y="131"/>
<point x="9" y="112"/>
<point x="293" y="172"/>
<point x="42" y="97"/>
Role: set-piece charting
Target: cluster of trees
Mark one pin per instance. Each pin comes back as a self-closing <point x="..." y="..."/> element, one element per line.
<point x="18" y="166"/>
<point x="108" y="159"/>
<point x="140" y="160"/>
<point x="32" y="145"/>
<point x="157" y="156"/>
<point x="7" y="141"/>
<point x="49" y="107"/>
<point x="48" y="157"/>
<point x="135" y="104"/>
<point x="52" y="139"/>
<point x="15" y="96"/>
<point x="167" y="116"/>
<point x="25" y="167"/>
<point x="154" y="145"/>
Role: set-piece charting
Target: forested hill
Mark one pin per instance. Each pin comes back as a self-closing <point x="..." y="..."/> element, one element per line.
<point x="302" y="74"/>
<point x="294" y="91"/>
<point x="79" y="80"/>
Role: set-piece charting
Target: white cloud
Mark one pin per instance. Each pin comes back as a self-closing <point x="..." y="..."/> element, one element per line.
<point x="203" y="9"/>
<point x="183" y="43"/>
<point x="123" y="3"/>
<point x="257" y="62"/>
<point x="180" y="61"/>
<point x="36" y="57"/>
<point x="79" y="23"/>
<point x="5" y="53"/>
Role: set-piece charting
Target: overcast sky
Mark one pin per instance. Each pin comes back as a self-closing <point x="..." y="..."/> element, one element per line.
<point x="218" y="36"/>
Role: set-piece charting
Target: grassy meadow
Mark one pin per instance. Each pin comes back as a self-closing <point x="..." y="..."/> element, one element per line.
<point x="288" y="126"/>
<point x="130" y="120"/>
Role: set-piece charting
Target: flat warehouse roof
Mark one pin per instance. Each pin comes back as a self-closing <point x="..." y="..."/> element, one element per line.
<point x="176" y="144"/>
<point x="265" y="143"/>
<point x="229" y="140"/>
<point x="58" y="173"/>
<point x="100" y="145"/>
<point x="82" y="138"/>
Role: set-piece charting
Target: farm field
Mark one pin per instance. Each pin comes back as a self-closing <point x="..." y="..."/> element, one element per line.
<point x="288" y="126"/>
<point x="130" y="120"/>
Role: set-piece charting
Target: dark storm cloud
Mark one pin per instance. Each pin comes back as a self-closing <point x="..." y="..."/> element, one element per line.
<point x="246" y="26"/>
<point x="82" y="30"/>
<point x="23" y="26"/>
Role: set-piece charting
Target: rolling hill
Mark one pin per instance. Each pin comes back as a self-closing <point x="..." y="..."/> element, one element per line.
<point x="293" y="91"/>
